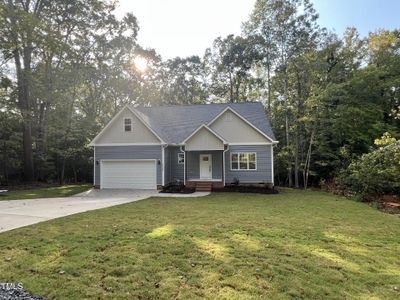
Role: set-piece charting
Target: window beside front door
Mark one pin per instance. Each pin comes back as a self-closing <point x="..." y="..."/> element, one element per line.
<point x="243" y="161"/>
<point x="181" y="158"/>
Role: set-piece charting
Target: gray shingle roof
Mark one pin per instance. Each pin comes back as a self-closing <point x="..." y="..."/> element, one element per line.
<point x="174" y="123"/>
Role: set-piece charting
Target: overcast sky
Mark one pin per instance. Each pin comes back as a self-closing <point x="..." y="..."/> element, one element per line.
<point x="188" y="27"/>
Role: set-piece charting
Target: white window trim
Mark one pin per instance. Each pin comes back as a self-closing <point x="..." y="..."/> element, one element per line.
<point x="181" y="154"/>
<point x="245" y="170"/>
<point x="130" y="119"/>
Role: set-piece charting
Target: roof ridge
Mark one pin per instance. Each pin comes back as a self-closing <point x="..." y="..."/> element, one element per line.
<point x="197" y="104"/>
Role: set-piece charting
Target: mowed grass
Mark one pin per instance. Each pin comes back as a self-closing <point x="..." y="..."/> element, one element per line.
<point x="49" y="192"/>
<point x="304" y="245"/>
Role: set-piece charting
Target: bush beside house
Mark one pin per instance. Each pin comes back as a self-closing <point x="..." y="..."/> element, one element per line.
<point x="376" y="173"/>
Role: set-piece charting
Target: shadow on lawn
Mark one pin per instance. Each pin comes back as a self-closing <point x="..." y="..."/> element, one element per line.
<point x="242" y="266"/>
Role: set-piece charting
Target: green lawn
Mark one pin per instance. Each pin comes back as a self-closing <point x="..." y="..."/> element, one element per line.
<point x="227" y="246"/>
<point x="49" y="192"/>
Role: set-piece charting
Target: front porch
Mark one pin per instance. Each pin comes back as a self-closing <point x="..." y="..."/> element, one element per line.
<point x="204" y="159"/>
<point x="204" y="168"/>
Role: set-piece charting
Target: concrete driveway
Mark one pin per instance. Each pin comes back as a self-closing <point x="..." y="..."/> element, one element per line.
<point x="19" y="213"/>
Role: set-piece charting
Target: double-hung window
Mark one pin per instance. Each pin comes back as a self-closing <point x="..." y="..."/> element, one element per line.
<point x="243" y="161"/>
<point x="181" y="158"/>
<point x="127" y="125"/>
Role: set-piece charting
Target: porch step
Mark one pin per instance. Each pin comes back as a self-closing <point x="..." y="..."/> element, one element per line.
<point x="203" y="186"/>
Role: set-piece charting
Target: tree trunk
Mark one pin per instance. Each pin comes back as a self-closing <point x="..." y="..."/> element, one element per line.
<point x="231" y="98"/>
<point x="5" y="165"/>
<point x="296" y="158"/>
<point x="269" y="88"/>
<point x="62" y="171"/>
<point x="237" y="89"/>
<point x="24" y="93"/>
<point x="289" y="167"/>
<point x="299" y="114"/>
<point x="24" y="105"/>
<point x="75" y="174"/>
<point x="306" y="169"/>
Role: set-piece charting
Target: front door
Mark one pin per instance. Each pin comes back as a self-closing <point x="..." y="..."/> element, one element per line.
<point x="205" y="166"/>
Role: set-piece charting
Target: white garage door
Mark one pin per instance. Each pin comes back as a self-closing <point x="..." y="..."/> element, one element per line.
<point x="128" y="174"/>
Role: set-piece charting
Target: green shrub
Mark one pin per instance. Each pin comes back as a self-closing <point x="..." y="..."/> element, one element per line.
<point x="377" y="172"/>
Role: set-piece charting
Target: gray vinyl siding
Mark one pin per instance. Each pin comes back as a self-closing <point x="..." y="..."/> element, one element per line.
<point x="175" y="170"/>
<point x="167" y="165"/>
<point x="193" y="164"/>
<point x="127" y="152"/>
<point x="264" y="165"/>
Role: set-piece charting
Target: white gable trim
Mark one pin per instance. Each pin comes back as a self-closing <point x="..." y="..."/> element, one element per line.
<point x="250" y="143"/>
<point x="93" y="142"/>
<point x="243" y="119"/>
<point x="206" y="127"/>
<point x="145" y="124"/>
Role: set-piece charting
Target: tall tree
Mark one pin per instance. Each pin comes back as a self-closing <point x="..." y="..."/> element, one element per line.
<point x="29" y="30"/>
<point x="183" y="81"/>
<point x="228" y="65"/>
<point x="42" y="39"/>
<point x="289" y="25"/>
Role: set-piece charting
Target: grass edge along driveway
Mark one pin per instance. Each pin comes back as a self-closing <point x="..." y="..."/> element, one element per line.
<point x="48" y="192"/>
<point x="297" y="244"/>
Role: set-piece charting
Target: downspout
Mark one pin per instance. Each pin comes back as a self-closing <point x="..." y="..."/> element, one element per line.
<point x="223" y="161"/>
<point x="163" y="163"/>
<point x="94" y="166"/>
<point x="184" y="164"/>
<point x="272" y="163"/>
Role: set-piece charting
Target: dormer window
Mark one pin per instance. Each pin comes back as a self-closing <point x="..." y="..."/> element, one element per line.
<point x="128" y="125"/>
<point x="229" y="116"/>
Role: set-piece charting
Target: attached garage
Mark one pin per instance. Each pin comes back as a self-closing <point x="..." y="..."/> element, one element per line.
<point x="128" y="174"/>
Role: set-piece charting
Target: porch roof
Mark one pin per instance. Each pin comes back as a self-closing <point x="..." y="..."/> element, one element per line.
<point x="204" y="138"/>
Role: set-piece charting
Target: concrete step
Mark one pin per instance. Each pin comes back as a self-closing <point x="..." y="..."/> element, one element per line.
<point x="203" y="190"/>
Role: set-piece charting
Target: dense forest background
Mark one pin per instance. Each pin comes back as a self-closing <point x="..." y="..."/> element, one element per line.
<point x="66" y="68"/>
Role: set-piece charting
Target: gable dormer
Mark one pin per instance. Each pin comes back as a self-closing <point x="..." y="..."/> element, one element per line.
<point x="126" y="128"/>
<point x="203" y="138"/>
<point x="235" y="129"/>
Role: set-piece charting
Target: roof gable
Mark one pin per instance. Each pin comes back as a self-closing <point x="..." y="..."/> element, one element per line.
<point x="204" y="138"/>
<point x="237" y="129"/>
<point x="113" y="133"/>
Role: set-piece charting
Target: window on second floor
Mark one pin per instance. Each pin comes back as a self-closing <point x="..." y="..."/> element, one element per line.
<point x="127" y="125"/>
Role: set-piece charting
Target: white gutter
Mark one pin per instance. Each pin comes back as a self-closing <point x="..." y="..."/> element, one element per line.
<point x="163" y="163"/>
<point x="94" y="166"/>
<point x="272" y="163"/>
<point x="184" y="165"/>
